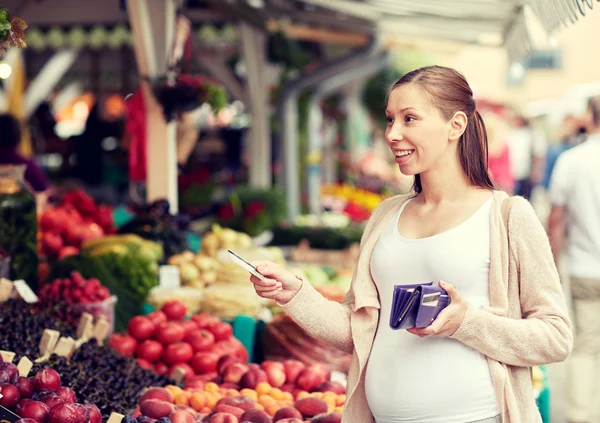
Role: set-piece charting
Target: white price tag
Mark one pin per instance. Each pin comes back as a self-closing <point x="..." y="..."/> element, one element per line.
<point x="25" y="291"/>
<point x="169" y="277"/>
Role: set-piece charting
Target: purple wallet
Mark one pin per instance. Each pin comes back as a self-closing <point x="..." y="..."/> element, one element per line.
<point x="417" y="306"/>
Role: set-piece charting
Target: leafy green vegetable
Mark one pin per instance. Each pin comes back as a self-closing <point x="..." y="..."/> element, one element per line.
<point x="18" y="234"/>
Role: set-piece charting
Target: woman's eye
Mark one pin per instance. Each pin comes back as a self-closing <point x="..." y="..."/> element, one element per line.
<point x="409" y="119"/>
<point x="389" y="119"/>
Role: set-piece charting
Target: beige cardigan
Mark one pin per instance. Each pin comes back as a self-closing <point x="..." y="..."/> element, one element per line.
<point x="526" y="325"/>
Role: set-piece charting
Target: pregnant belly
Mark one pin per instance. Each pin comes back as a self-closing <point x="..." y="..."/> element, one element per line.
<point x="428" y="380"/>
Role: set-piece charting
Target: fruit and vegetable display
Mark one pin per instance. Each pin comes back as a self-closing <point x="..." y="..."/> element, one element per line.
<point x="285" y="339"/>
<point x="98" y="375"/>
<point x="331" y="282"/>
<point x="86" y="295"/>
<point x="129" y="277"/>
<point x="43" y="398"/>
<point x="22" y="325"/>
<point x="64" y="228"/>
<point x="220" y="238"/>
<point x="154" y="222"/>
<point x="165" y="342"/>
<point x="74" y="290"/>
<point x="265" y="393"/>
<point x="18" y="225"/>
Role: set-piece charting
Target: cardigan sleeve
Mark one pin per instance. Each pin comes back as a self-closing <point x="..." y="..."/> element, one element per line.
<point x="543" y="335"/>
<point x="325" y="319"/>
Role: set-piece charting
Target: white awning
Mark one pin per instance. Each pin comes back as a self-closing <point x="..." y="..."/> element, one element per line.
<point x="488" y="22"/>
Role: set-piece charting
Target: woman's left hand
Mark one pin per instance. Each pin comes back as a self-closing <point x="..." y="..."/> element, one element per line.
<point x="450" y="319"/>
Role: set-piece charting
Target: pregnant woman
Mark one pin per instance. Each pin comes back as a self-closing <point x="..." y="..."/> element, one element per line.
<point x="487" y="250"/>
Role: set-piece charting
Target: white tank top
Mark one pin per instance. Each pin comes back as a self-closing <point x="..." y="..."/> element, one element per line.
<point x="431" y="379"/>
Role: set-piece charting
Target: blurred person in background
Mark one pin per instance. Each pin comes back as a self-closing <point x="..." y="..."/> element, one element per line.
<point x="89" y="151"/>
<point x="527" y="152"/>
<point x="571" y="133"/>
<point x="499" y="160"/>
<point x="575" y="199"/>
<point x="10" y="137"/>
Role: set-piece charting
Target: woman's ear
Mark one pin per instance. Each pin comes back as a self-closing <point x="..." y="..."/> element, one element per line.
<point x="458" y="125"/>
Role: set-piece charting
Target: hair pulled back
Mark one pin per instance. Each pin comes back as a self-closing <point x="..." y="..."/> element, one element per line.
<point x="450" y="92"/>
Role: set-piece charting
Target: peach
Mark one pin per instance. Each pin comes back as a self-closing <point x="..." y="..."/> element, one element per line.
<point x="327" y="418"/>
<point x="253" y="366"/>
<point x="288" y="387"/>
<point x="224" y="408"/>
<point x="310" y="406"/>
<point x="228" y="386"/>
<point x="292" y="370"/>
<point x="181" y="416"/>
<point x="286" y="413"/>
<point x="241" y="401"/>
<point x="256" y="416"/>
<point x="159" y="394"/>
<point x="252" y="378"/>
<point x="155" y="408"/>
<point x="223" y="418"/>
<point x="309" y="379"/>
<point x="225" y="361"/>
<point x="234" y="372"/>
<point x="331" y="386"/>
<point x="275" y="373"/>
<point x="289" y="420"/>
<point x="267" y="364"/>
<point x="321" y="369"/>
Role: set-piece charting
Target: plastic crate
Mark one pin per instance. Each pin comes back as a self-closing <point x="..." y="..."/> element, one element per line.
<point x="543" y="400"/>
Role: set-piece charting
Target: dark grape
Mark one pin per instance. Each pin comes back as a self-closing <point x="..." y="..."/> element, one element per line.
<point x="144" y="419"/>
<point x="164" y="420"/>
<point x="95" y="372"/>
<point x="128" y="419"/>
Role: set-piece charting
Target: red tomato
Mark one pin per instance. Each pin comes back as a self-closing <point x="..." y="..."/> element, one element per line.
<point x="205" y="319"/>
<point x="205" y="362"/>
<point x="174" y="310"/>
<point x="161" y="368"/>
<point x="179" y="352"/>
<point x="189" y="325"/>
<point x="222" y="331"/>
<point x="149" y="350"/>
<point x="200" y="339"/>
<point x="123" y="344"/>
<point x="144" y="364"/>
<point x="169" y="333"/>
<point x="141" y="328"/>
<point x="157" y="317"/>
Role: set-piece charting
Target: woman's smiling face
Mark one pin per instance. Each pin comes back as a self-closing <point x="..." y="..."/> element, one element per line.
<point x="416" y="132"/>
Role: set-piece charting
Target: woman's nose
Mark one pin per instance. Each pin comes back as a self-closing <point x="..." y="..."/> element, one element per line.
<point x="395" y="134"/>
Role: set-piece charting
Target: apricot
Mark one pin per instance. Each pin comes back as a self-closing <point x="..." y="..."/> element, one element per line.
<point x="198" y="401"/>
<point x="263" y="388"/>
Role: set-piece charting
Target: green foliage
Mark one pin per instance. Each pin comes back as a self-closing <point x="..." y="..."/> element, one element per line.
<point x="253" y="210"/>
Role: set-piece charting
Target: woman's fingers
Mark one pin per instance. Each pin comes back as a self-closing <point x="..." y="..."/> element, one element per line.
<point x="267" y="282"/>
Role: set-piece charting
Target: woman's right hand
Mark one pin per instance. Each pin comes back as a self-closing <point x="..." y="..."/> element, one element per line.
<point x="279" y="284"/>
